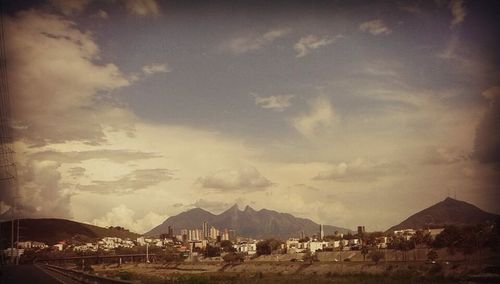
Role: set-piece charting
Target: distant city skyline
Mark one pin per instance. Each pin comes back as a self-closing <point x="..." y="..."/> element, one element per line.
<point x="346" y="113"/>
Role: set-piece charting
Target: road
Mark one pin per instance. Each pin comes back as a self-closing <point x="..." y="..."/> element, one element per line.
<point x="31" y="274"/>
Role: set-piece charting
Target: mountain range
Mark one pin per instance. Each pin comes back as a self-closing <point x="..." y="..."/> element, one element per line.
<point x="247" y="223"/>
<point x="447" y="212"/>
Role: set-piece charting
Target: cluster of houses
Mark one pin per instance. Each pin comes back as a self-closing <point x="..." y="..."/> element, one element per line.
<point x="194" y="242"/>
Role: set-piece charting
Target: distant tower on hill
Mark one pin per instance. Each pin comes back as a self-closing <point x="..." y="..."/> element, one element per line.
<point x="321" y="232"/>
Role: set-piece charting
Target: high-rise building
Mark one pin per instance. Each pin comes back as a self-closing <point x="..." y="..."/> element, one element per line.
<point x="232" y="235"/>
<point x="206" y="231"/>
<point x="361" y="230"/>
<point x="321" y="232"/>
<point x="302" y="235"/>
<point x="170" y="232"/>
<point x="361" y="234"/>
<point x="225" y="235"/>
<point x="214" y="233"/>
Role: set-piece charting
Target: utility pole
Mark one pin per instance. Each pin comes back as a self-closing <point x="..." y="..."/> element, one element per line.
<point x="8" y="170"/>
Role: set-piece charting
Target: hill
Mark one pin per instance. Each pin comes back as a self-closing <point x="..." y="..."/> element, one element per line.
<point x="248" y="223"/>
<point x="51" y="231"/>
<point x="447" y="212"/>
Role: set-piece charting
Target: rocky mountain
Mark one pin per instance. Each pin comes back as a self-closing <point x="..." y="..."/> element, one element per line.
<point x="447" y="212"/>
<point x="248" y="223"/>
<point x="52" y="231"/>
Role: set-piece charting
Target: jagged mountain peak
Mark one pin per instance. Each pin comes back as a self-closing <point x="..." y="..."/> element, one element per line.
<point x="248" y="223"/>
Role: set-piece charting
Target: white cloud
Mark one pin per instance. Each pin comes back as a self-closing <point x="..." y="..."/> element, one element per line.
<point x="142" y="7"/>
<point x="125" y="217"/>
<point x="156" y="68"/>
<point x="250" y="43"/>
<point x="458" y="12"/>
<point x="319" y="117"/>
<point x="276" y="103"/>
<point x="310" y="43"/>
<point x="359" y="170"/>
<point x="68" y="90"/>
<point x="375" y="27"/>
<point x="215" y="206"/>
<point x="244" y="178"/>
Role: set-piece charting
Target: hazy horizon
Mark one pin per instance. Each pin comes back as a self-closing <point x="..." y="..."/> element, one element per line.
<point x="346" y="113"/>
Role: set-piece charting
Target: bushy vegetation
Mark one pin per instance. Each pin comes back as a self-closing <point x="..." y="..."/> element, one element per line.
<point x="268" y="246"/>
<point x="468" y="239"/>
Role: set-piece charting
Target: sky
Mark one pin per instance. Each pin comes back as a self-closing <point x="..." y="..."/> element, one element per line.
<point x="345" y="112"/>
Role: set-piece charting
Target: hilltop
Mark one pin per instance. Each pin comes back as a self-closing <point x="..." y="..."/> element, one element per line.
<point x="447" y="212"/>
<point x="248" y="223"/>
<point x="51" y="231"/>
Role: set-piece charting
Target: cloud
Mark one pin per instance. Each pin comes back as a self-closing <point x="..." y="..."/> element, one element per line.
<point x="131" y="182"/>
<point x="458" y="12"/>
<point x="444" y="155"/>
<point x="359" y="170"/>
<point x="245" y="178"/>
<point x="40" y="192"/>
<point x="125" y="217"/>
<point x="487" y="139"/>
<point x="69" y="7"/>
<point x="319" y="117"/>
<point x="277" y="103"/>
<point x="117" y="156"/>
<point x="53" y="64"/>
<point x="142" y="7"/>
<point x="309" y="43"/>
<point x="77" y="171"/>
<point x="101" y="14"/>
<point x="412" y="8"/>
<point x="250" y="43"/>
<point x="375" y="27"/>
<point x="211" y="206"/>
<point x="155" y="68"/>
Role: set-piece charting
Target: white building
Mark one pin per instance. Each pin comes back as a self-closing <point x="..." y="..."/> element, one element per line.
<point x="314" y="246"/>
<point x="248" y="248"/>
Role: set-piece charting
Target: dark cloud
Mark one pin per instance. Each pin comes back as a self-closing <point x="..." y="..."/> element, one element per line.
<point x="444" y="155"/>
<point x="129" y="183"/>
<point x="487" y="140"/>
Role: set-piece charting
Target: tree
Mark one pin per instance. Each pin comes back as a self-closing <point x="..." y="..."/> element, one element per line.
<point x="364" y="252"/>
<point x="341" y="248"/>
<point x="432" y="255"/>
<point x="376" y="256"/>
<point x="267" y="247"/>
<point x="227" y="246"/>
<point x="211" y="251"/>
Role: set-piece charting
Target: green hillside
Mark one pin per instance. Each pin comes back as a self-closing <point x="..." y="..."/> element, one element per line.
<point x="52" y="231"/>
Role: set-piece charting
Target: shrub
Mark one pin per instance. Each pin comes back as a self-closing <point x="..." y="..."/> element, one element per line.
<point x="376" y="256"/>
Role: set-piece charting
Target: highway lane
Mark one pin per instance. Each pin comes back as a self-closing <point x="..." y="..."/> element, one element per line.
<point x="31" y="274"/>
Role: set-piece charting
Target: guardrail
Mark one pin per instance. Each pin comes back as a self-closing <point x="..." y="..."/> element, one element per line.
<point x="85" y="277"/>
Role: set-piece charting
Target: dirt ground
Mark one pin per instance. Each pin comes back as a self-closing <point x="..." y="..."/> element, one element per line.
<point x="297" y="272"/>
